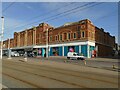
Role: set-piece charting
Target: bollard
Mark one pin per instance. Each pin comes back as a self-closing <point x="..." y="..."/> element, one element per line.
<point x="65" y="61"/>
<point x="84" y="62"/>
<point x="113" y="66"/>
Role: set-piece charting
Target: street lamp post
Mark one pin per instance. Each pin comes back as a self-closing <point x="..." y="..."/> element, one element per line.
<point x="9" y="51"/>
<point x="47" y="43"/>
<point x="2" y="37"/>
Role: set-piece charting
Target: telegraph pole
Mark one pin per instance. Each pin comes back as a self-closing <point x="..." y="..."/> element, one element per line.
<point x="2" y="38"/>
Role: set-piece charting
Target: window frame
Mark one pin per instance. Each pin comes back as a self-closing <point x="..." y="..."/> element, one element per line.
<point x="83" y="34"/>
<point x="74" y="35"/>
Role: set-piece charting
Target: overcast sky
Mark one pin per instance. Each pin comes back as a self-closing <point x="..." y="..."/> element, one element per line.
<point x="22" y="15"/>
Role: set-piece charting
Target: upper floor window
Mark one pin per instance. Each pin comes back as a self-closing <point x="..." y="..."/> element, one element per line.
<point x="68" y="35"/>
<point x="56" y="37"/>
<point x="61" y="37"/>
<point x="74" y="35"/>
<point x="83" y="34"/>
<point x="50" y="38"/>
<point x="65" y="36"/>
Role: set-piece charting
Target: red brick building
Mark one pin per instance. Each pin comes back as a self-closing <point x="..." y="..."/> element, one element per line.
<point x="78" y="31"/>
<point x="82" y="36"/>
<point x="104" y="42"/>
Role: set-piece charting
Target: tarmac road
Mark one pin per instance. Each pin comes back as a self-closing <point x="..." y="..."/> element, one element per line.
<point x="103" y="63"/>
<point x="50" y="74"/>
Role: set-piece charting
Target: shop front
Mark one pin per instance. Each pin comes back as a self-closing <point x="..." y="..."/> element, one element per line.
<point x="82" y="48"/>
<point x="56" y="51"/>
<point x="39" y="52"/>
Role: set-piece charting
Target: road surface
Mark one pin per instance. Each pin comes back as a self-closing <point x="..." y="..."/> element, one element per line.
<point x="103" y="63"/>
<point x="50" y="74"/>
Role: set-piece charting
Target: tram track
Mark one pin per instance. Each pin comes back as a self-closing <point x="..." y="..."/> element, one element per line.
<point x="70" y="83"/>
<point x="65" y="72"/>
<point x="54" y="71"/>
<point x="23" y="81"/>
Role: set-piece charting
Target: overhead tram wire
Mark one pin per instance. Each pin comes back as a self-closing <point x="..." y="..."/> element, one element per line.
<point x="107" y="16"/>
<point x="74" y="11"/>
<point x="71" y="12"/>
<point x="62" y="13"/>
<point x="44" y="14"/>
<point x="58" y="14"/>
<point x="8" y="7"/>
<point x="48" y="12"/>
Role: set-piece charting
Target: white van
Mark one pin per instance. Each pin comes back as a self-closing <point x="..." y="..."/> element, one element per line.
<point x="74" y="55"/>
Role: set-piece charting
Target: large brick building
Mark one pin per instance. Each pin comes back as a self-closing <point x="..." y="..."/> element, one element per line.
<point x="82" y="36"/>
<point x="104" y="42"/>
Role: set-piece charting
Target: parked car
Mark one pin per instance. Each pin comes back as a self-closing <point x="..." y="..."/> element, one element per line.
<point x="30" y="54"/>
<point x="5" y="53"/>
<point x="21" y="53"/>
<point x="75" y="56"/>
<point x="15" y="54"/>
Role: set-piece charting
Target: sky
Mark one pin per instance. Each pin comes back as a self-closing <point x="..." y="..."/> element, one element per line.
<point x="21" y="15"/>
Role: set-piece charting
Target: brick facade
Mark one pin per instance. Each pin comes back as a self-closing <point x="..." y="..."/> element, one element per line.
<point x="8" y="43"/>
<point x="11" y="43"/>
<point x="79" y="31"/>
<point x="104" y="37"/>
<point x="5" y="44"/>
<point x="104" y="41"/>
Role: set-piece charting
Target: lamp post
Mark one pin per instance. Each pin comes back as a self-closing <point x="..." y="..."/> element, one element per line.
<point x="2" y="38"/>
<point x="9" y="51"/>
<point x="46" y="43"/>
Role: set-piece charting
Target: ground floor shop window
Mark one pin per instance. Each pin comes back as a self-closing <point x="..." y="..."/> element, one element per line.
<point x="39" y="52"/>
<point x="55" y="51"/>
<point x="35" y="52"/>
<point x="71" y="48"/>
